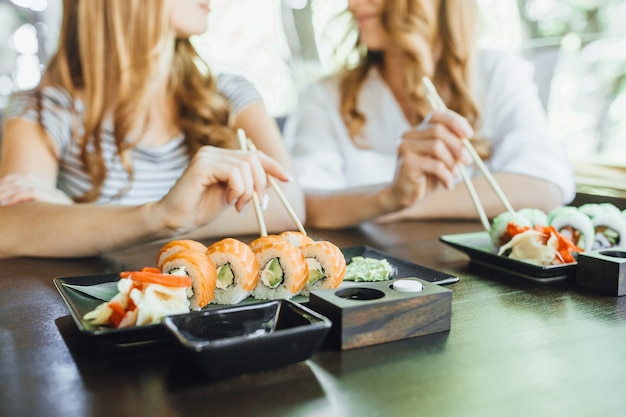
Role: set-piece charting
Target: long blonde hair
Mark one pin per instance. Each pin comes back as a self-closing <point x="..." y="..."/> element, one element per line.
<point x="116" y="53"/>
<point x="418" y="27"/>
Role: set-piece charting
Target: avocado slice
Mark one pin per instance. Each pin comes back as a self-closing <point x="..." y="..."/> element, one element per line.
<point x="225" y="276"/>
<point x="316" y="272"/>
<point x="272" y="274"/>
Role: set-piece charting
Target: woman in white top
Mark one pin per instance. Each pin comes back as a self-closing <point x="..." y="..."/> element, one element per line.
<point x="130" y="138"/>
<point x="366" y="144"/>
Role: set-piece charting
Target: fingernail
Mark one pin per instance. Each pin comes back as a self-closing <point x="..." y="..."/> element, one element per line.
<point x="469" y="131"/>
<point x="466" y="157"/>
<point x="265" y="200"/>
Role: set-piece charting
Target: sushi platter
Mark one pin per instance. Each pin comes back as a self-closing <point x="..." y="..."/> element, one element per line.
<point x="79" y="295"/>
<point x="481" y="251"/>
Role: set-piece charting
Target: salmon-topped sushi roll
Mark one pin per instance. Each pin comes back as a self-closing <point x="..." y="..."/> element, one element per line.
<point x="177" y="245"/>
<point x="200" y="268"/>
<point x="237" y="270"/>
<point x="326" y="266"/>
<point x="296" y="238"/>
<point x="283" y="270"/>
<point x="260" y="241"/>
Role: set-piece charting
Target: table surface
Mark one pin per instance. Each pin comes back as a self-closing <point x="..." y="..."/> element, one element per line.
<point x="515" y="348"/>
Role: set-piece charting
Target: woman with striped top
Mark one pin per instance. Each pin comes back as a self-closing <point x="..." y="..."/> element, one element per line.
<point x="129" y="138"/>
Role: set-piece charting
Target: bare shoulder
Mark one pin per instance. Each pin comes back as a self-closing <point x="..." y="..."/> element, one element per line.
<point x="26" y="147"/>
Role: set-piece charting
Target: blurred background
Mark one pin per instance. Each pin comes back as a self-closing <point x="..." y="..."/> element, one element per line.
<point x="578" y="48"/>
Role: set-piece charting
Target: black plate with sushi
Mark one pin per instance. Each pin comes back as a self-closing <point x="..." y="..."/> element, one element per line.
<point x="79" y="296"/>
<point x="83" y="294"/>
<point x="480" y="249"/>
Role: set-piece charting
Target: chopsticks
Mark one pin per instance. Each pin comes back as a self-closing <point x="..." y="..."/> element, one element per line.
<point x="437" y="104"/>
<point x="279" y="192"/>
<point x="243" y="144"/>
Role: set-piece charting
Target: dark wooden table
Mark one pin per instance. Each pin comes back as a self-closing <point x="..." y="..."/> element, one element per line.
<point x="516" y="348"/>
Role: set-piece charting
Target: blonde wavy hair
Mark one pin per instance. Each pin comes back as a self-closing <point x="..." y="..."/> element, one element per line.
<point x="117" y="53"/>
<point x="418" y="28"/>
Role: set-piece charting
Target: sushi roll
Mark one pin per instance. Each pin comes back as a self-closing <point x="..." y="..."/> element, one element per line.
<point x="177" y="245"/>
<point x="537" y="217"/>
<point x="283" y="270"/>
<point x="200" y="268"/>
<point x="326" y="266"/>
<point x="575" y="226"/>
<point x="237" y="270"/>
<point x="559" y="211"/>
<point x="260" y="241"/>
<point x="296" y="238"/>
<point x="498" y="232"/>
<point x="594" y="209"/>
<point x="609" y="230"/>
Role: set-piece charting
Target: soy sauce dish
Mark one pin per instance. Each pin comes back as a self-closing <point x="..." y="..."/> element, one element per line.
<point x="236" y="340"/>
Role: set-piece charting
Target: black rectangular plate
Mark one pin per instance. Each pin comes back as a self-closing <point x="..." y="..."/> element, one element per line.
<point x="80" y="304"/>
<point x="480" y="249"/>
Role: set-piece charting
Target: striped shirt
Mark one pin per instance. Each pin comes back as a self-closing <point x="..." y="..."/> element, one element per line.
<point x="155" y="168"/>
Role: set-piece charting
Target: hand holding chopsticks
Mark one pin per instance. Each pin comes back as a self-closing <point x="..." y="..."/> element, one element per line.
<point x="245" y="143"/>
<point x="437" y="103"/>
<point x="241" y="135"/>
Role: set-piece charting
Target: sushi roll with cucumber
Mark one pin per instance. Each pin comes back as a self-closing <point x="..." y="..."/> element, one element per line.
<point x="560" y="211"/>
<point x="536" y="216"/>
<point x="283" y="269"/>
<point x="594" y="209"/>
<point x="178" y="245"/>
<point x="609" y="230"/>
<point x="498" y="232"/>
<point x="201" y="270"/>
<point x="575" y="226"/>
<point x="326" y="266"/>
<point x="296" y="238"/>
<point x="236" y="268"/>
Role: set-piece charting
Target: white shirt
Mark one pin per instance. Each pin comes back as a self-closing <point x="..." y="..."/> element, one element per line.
<point x="512" y="119"/>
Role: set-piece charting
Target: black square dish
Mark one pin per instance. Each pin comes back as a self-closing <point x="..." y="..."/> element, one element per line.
<point x="248" y="338"/>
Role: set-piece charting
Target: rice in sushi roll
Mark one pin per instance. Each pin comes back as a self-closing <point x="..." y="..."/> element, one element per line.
<point x="559" y="211"/>
<point x="200" y="268"/>
<point x="498" y="232"/>
<point x="326" y="266"/>
<point x="283" y="269"/>
<point x="537" y="217"/>
<point x="594" y="209"/>
<point x="609" y="230"/>
<point x="575" y="226"/>
<point x="237" y="270"/>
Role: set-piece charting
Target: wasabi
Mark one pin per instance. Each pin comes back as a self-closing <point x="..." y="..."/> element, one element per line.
<point x="362" y="269"/>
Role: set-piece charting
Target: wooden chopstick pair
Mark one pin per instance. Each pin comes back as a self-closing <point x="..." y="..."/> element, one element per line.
<point x="437" y="103"/>
<point x="246" y="143"/>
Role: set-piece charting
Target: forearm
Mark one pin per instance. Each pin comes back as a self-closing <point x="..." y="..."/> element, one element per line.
<point x="521" y="191"/>
<point x="51" y="230"/>
<point x="346" y="208"/>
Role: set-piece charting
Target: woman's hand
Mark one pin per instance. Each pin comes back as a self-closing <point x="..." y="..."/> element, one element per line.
<point x="428" y="157"/>
<point x="19" y="188"/>
<point x="215" y="179"/>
